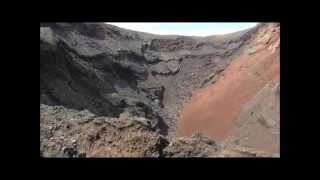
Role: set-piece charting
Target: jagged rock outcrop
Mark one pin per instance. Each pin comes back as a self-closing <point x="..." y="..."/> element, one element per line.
<point x="71" y="133"/>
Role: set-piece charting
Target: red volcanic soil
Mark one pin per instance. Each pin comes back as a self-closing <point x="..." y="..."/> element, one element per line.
<point x="212" y="110"/>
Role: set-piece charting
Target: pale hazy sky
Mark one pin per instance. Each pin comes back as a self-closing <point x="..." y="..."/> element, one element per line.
<point x="187" y="29"/>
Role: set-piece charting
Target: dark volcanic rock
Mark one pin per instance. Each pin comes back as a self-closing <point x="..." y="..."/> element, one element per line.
<point x="73" y="134"/>
<point x="170" y="67"/>
<point x="155" y="94"/>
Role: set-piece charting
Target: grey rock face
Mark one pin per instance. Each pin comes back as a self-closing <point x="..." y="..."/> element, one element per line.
<point x="166" y="68"/>
<point x="262" y="114"/>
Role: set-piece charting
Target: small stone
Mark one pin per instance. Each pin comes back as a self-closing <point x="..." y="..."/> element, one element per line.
<point x="98" y="121"/>
<point x="251" y="51"/>
<point x="237" y="142"/>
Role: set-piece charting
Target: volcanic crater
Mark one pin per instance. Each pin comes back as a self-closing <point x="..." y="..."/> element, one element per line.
<point x="106" y="91"/>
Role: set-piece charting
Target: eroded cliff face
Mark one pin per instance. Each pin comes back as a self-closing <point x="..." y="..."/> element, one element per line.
<point x="220" y="110"/>
<point x="110" y="72"/>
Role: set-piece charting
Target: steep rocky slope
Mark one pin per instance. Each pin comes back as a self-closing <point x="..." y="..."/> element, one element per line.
<point x="258" y="124"/>
<point x="107" y="91"/>
<point x="215" y="109"/>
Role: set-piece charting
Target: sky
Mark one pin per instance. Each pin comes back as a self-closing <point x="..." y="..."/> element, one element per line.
<point x="186" y="29"/>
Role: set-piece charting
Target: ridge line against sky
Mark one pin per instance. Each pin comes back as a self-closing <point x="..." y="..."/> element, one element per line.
<point x="186" y="29"/>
